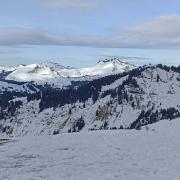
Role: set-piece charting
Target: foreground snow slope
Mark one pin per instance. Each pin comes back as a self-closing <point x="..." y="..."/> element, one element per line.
<point x="103" y="155"/>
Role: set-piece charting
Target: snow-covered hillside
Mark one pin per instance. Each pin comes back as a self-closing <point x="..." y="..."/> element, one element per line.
<point x="32" y="72"/>
<point x="40" y="74"/>
<point x="128" y="100"/>
<point x="149" y="154"/>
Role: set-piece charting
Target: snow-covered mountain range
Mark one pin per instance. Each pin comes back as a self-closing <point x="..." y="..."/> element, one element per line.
<point x="124" y="98"/>
<point x="51" y="72"/>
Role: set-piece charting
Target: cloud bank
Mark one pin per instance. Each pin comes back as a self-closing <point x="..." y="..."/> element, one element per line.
<point x="160" y="32"/>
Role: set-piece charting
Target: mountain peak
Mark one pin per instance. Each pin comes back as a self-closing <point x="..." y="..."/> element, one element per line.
<point x="53" y="65"/>
<point x="117" y="64"/>
<point x="112" y="60"/>
<point x="116" y="60"/>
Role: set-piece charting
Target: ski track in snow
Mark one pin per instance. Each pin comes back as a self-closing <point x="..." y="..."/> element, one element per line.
<point x="103" y="155"/>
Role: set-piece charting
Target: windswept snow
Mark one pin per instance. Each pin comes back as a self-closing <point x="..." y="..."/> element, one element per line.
<point x="152" y="153"/>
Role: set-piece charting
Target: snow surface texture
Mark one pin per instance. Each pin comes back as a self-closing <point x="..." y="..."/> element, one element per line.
<point x="149" y="154"/>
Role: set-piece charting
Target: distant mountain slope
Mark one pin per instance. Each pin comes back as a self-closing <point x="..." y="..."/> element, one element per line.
<point x="102" y="68"/>
<point x="127" y="100"/>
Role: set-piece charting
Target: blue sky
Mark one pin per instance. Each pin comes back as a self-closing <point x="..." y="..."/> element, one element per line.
<point x="80" y="32"/>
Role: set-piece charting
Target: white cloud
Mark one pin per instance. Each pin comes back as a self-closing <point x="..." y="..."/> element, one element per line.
<point x="29" y="36"/>
<point x="160" y="32"/>
<point x="71" y="5"/>
<point x="163" y="26"/>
